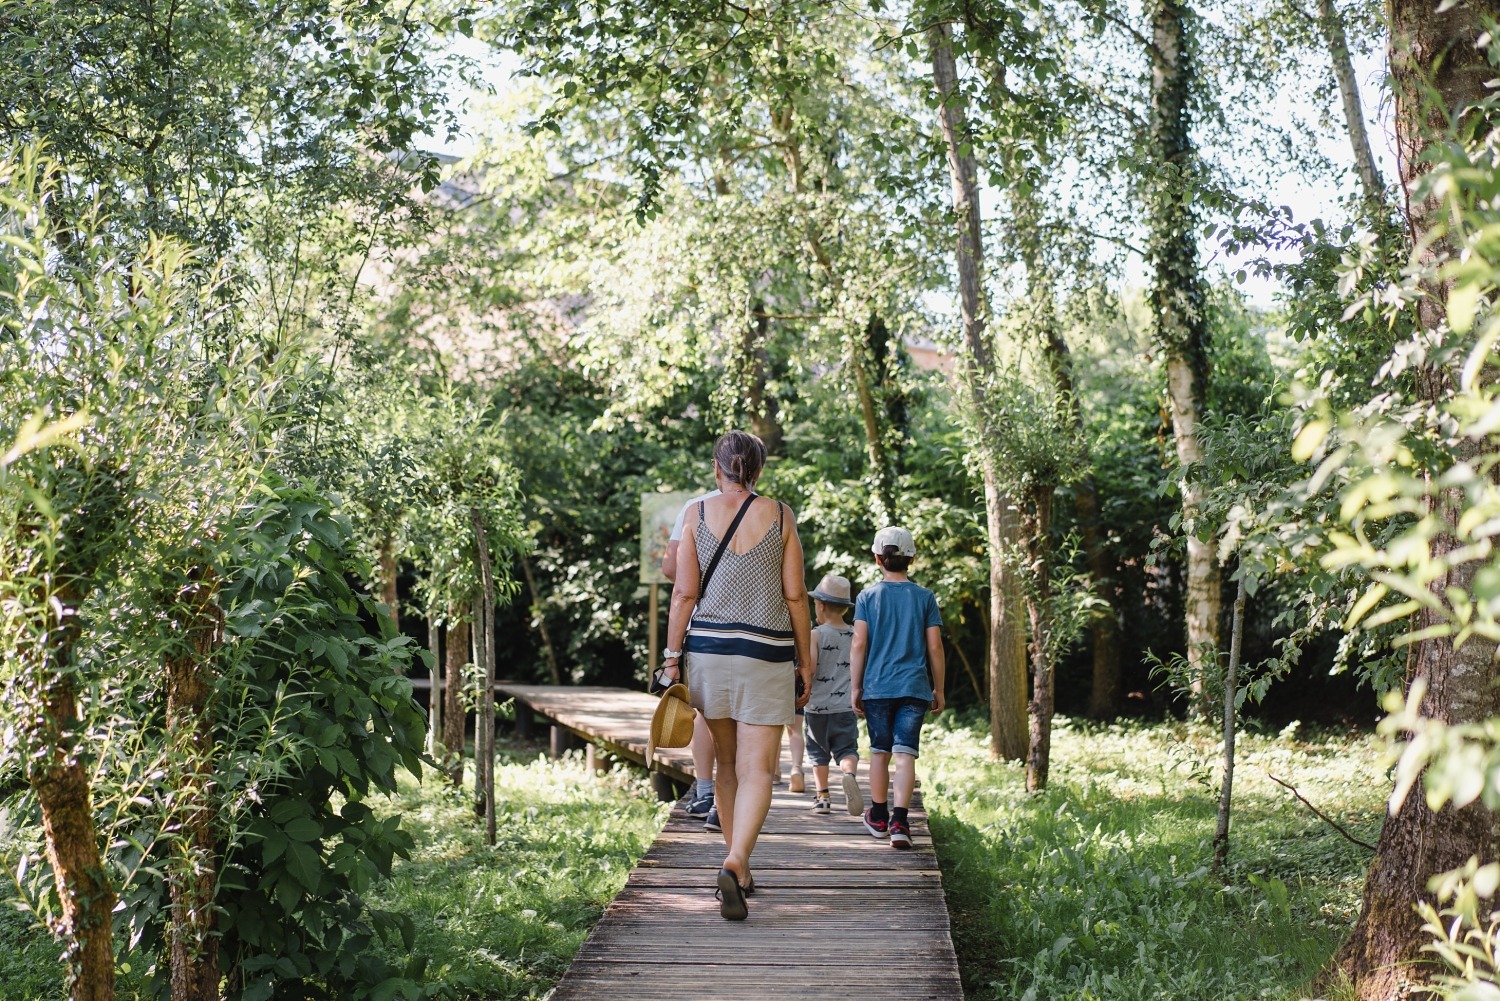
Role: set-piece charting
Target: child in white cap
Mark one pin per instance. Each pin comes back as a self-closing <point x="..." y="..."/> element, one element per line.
<point x="896" y="678"/>
<point x="832" y="732"/>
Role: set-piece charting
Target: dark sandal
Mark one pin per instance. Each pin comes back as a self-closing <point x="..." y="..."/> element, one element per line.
<point x="731" y="897"/>
<point x="749" y="887"/>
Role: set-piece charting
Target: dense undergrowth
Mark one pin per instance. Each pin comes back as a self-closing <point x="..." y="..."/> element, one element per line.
<point x="493" y="923"/>
<point x="1100" y="887"/>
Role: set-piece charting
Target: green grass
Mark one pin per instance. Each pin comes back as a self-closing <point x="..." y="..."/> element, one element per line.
<point x="505" y="922"/>
<point x="1100" y="887"/>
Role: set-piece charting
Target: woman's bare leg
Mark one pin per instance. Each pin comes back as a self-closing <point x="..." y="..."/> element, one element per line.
<point x="726" y="782"/>
<point x="754" y="765"/>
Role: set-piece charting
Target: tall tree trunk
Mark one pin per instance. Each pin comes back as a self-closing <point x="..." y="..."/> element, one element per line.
<point x="1007" y="666"/>
<point x="763" y="408"/>
<point x="193" y="879"/>
<point x="435" y="692"/>
<point x="540" y="621"/>
<point x="1178" y="300"/>
<point x="480" y="635"/>
<point x="61" y="783"/>
<point x="883" y="496"/>
<point x="387" y="556"/>
<point x="1039" y="609"/>
<point x="485" y="729"/>
<point x="1231" y="691"/>
<point x="1331" y="23"/>
<point x="453" y="686"/>
<point x="1429" y="49"/>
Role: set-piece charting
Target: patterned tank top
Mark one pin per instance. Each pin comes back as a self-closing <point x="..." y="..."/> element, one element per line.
<point x="744" y="593"/>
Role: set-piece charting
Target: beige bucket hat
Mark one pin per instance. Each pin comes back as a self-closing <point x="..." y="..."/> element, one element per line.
<point x="833" y="589"/>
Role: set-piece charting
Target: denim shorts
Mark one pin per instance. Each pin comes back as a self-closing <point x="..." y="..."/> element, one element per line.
<point x="895" y="725"/>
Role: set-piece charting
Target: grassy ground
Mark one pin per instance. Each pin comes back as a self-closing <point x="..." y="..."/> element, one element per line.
<point x="504" y="922"/>
<point x="1100" y="888"/>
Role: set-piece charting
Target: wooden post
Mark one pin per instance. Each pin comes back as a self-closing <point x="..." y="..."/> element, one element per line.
<point x="592" y="759"/>
<point x="524" y="720"/>
<point x="667" y="791"/>
<point x="560" y="741"/>
<point x="651" y="631"/>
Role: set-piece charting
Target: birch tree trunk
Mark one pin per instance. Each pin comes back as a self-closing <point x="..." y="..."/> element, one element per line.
<point x="1007" y="648"/>
<point x="1331" y="23"/>
<point x="1437" y="50"/>
<point x="1178" y="300"/>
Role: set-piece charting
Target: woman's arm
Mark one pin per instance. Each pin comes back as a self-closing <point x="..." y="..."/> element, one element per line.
<point x="684" y="597"/>
<point x="794" y="590"/>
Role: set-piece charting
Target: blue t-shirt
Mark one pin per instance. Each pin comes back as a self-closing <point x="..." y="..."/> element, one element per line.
<point x="897" y="615"/>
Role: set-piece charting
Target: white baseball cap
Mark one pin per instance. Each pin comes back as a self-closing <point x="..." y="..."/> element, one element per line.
<point x="893" y="536"/>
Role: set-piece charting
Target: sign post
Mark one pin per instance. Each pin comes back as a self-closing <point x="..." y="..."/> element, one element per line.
<point x="658" y="513"/>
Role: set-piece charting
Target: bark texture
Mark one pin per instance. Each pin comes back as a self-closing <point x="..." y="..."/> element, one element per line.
<point x="1231" y="683"/>
<point x="484" y="727"/>
<point x="453" y="686"/>
<point x="1432" y="53"/>
<point x="862" y="360"/>
<point x="1007" y="648"/>
<point x="193" y="880"/>
<point x="1178" y="301"/>
<point x="388" y="571"/>
<point x="61" y="783"/>
<point x="1038" y="605"/>
<point x="1382" y="956"/>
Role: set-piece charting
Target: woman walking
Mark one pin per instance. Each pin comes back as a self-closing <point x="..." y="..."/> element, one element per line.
<point x="739" y="617"/>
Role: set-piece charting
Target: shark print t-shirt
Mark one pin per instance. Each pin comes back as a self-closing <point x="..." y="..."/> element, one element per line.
<point x="830" y="687"/>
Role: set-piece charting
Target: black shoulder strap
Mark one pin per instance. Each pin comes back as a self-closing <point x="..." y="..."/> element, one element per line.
<point x="713" y="564"/>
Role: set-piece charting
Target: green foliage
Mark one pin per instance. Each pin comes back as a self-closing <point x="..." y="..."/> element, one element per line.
<point x="162" y="483"/>
<point x="1115" y="855"/>
<point x="318" y="718"/>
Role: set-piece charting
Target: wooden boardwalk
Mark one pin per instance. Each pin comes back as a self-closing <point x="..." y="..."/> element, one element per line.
<point x="834" y="911"/>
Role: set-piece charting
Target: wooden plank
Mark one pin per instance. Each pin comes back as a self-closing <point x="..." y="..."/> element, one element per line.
<point x="825" y="890"/>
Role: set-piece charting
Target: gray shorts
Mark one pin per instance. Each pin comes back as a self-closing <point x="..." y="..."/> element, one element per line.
<point x="831" y="736"/>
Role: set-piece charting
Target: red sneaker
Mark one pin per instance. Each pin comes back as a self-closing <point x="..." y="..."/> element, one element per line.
<point x="877" y="828"/>
<point x="900" y="834"/>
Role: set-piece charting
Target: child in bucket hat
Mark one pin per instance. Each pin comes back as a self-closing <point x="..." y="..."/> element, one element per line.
<point x="896" y="675"/>
<point x="831" y="730"/>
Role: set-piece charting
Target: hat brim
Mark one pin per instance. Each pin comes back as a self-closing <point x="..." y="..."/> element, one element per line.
<point x="832" y="599"/>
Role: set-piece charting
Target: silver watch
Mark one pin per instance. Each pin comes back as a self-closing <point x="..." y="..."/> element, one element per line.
<point x="671" y="655"/>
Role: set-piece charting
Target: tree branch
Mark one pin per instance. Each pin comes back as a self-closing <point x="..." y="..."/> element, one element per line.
<point x="1321" y="815"/>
